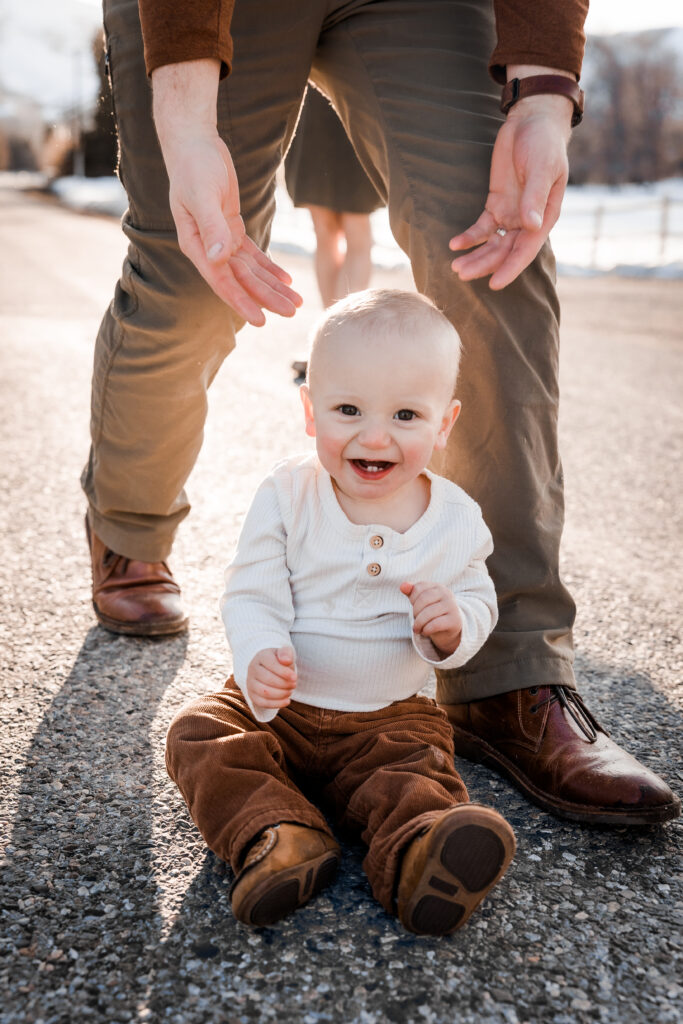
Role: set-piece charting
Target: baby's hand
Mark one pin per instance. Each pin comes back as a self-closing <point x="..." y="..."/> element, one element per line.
<point x="271" y="677"/>
<point x="436" y="614"/>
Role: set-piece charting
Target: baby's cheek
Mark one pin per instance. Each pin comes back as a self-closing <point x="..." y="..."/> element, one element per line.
<point x="329" y="448"/>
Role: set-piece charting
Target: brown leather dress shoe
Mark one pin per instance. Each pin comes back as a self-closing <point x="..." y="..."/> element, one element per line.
<point x="283" y="870"/>
<point x="448" y="870"/>
<point x="546" y="741"/>
<point x="131" y="597"/>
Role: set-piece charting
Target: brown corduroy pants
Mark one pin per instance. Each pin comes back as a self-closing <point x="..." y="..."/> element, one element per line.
<point x="386" y="774"/>
<point x="411" y="84"/>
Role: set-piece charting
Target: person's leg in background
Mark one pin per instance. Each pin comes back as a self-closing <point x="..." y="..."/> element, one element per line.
<point x="422" y="112"/>
<point x="343" y="252"/>
<point x="329" y="252"/>
<point x="165" y="334"/>
<point x="356" y="270"/>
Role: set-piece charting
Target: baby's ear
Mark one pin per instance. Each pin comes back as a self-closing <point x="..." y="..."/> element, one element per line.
<point x="308" y="409"/>
<point x="449" y="417"/>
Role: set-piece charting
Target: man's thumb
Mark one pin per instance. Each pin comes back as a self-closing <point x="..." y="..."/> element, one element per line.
<point x="534" y="202"/>
<point x="214" y="236"/>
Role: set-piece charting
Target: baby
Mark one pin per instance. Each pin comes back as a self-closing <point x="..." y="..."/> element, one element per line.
<point x="357" y="572"/>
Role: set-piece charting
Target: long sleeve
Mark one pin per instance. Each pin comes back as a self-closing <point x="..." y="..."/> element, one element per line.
<point x="544" y="32"/>
<point x="256" y="605"/>
<point x="173" y="32"/>
<point x="548" y="32"/>
<point x="305" y="575"/>
<point x="476" y="597"/>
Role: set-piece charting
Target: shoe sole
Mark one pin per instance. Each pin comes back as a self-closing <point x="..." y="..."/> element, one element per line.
<point x="148" y="629"/>
<point x="474" y="749"/>
<point x="280" y="895"/>
<point x="472" y="847"/>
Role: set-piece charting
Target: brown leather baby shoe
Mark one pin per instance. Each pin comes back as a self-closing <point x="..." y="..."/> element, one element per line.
<point x="448" y="870"/>
<point x="132" y="597"/>
<point x="546" y="741"/>
<point x="283" y="870"/>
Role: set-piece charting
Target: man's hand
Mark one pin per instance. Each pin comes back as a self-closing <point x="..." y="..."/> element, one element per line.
<point x="204" y="195"/>
<point x="271" y="677"/>
<point x="528" y="177"/>
<point x="435" y="614"/>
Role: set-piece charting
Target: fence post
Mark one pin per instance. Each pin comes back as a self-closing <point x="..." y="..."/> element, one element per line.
<point x="664" y="228"/>
<point x="597" y="230"/>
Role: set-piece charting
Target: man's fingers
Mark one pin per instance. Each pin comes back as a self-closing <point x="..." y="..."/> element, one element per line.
<point x="217" y="242"/>
<point x="252" y="249"/>
<point x="483" y="228"/>
<point x="217" y="275"/>
<point x="524" y="251"/>
<point x="246" y="279"/>
<point x="544" y="186"/>
<point x="486" y="259"/>
<point x="266" y="291"/>
<point x="226" y="286"/>
<point x="264" y="272"/>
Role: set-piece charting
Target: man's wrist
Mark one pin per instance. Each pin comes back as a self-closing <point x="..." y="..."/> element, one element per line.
<point x="185" y="98"/>
<point x="538" y="89"/>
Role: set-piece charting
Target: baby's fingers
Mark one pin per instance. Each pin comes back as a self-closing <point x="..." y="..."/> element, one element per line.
<point x="285" y="656"/>
<point x="269" y="661"/>
<point x="266" y="696"/>
<point x="439" y="624"/>
<point x="276" y="676"/>
<point x="424" y="619"/>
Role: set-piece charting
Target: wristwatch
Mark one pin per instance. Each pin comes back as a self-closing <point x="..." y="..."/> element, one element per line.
<point x="536" y="85"/>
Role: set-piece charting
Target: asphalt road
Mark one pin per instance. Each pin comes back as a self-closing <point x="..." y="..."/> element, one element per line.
<point x="112" y="909"/>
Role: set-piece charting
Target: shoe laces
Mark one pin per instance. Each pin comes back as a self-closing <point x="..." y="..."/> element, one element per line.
<point x="572" y="703"/>
<point x="111" y="557"/>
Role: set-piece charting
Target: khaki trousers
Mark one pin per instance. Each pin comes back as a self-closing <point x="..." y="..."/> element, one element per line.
<point x="386" y="774"/>
<point x="410" y="82"/>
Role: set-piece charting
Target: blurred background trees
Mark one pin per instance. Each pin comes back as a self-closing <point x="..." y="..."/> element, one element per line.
<point x="633" y="127"/>
<point x="632" y="130"/>
<point x="92" y="151"/>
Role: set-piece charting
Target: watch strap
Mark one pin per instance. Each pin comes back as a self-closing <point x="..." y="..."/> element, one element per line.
<point x="536" y="85"/>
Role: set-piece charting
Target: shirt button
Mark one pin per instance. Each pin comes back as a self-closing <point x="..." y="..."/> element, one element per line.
<point x="374" y="569"/>
<point x="376" y="541"/>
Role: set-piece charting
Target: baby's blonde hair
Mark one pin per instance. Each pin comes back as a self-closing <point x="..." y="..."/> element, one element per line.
<point x="375" y="310"/>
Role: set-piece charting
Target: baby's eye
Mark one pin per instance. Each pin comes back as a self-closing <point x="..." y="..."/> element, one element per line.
<point x="348" y="410"/>
<point x="405" y="414"/>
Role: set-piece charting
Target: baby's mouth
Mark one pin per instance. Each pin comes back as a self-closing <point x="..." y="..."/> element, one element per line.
<point x="374" y="468"/>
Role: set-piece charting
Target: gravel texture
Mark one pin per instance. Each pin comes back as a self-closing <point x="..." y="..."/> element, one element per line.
<point x="112" y="909"/>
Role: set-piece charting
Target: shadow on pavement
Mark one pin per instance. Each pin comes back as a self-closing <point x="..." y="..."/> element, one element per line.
<point x="114" y="925"/>
<point x="80" y="854"/>
<point x="333" y="959"/>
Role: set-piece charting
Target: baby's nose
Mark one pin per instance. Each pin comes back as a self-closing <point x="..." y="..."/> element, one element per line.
<point x="375" y="435"/>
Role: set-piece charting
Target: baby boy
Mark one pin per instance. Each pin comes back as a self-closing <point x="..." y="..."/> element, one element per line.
<point x="357" y="572"/>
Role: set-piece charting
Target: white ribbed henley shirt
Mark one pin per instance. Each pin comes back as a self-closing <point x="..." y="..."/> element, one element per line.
<point x="304" y="574"/>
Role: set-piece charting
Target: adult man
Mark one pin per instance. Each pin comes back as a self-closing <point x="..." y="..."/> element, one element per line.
<point x="411" y="83"/>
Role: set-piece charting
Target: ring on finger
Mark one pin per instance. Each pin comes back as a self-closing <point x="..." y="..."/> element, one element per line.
<point x="501" y="231"/>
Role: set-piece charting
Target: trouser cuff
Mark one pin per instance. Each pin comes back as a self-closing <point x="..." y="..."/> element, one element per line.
<point x="463" y="687"/>
<point x="133" y="542"/>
